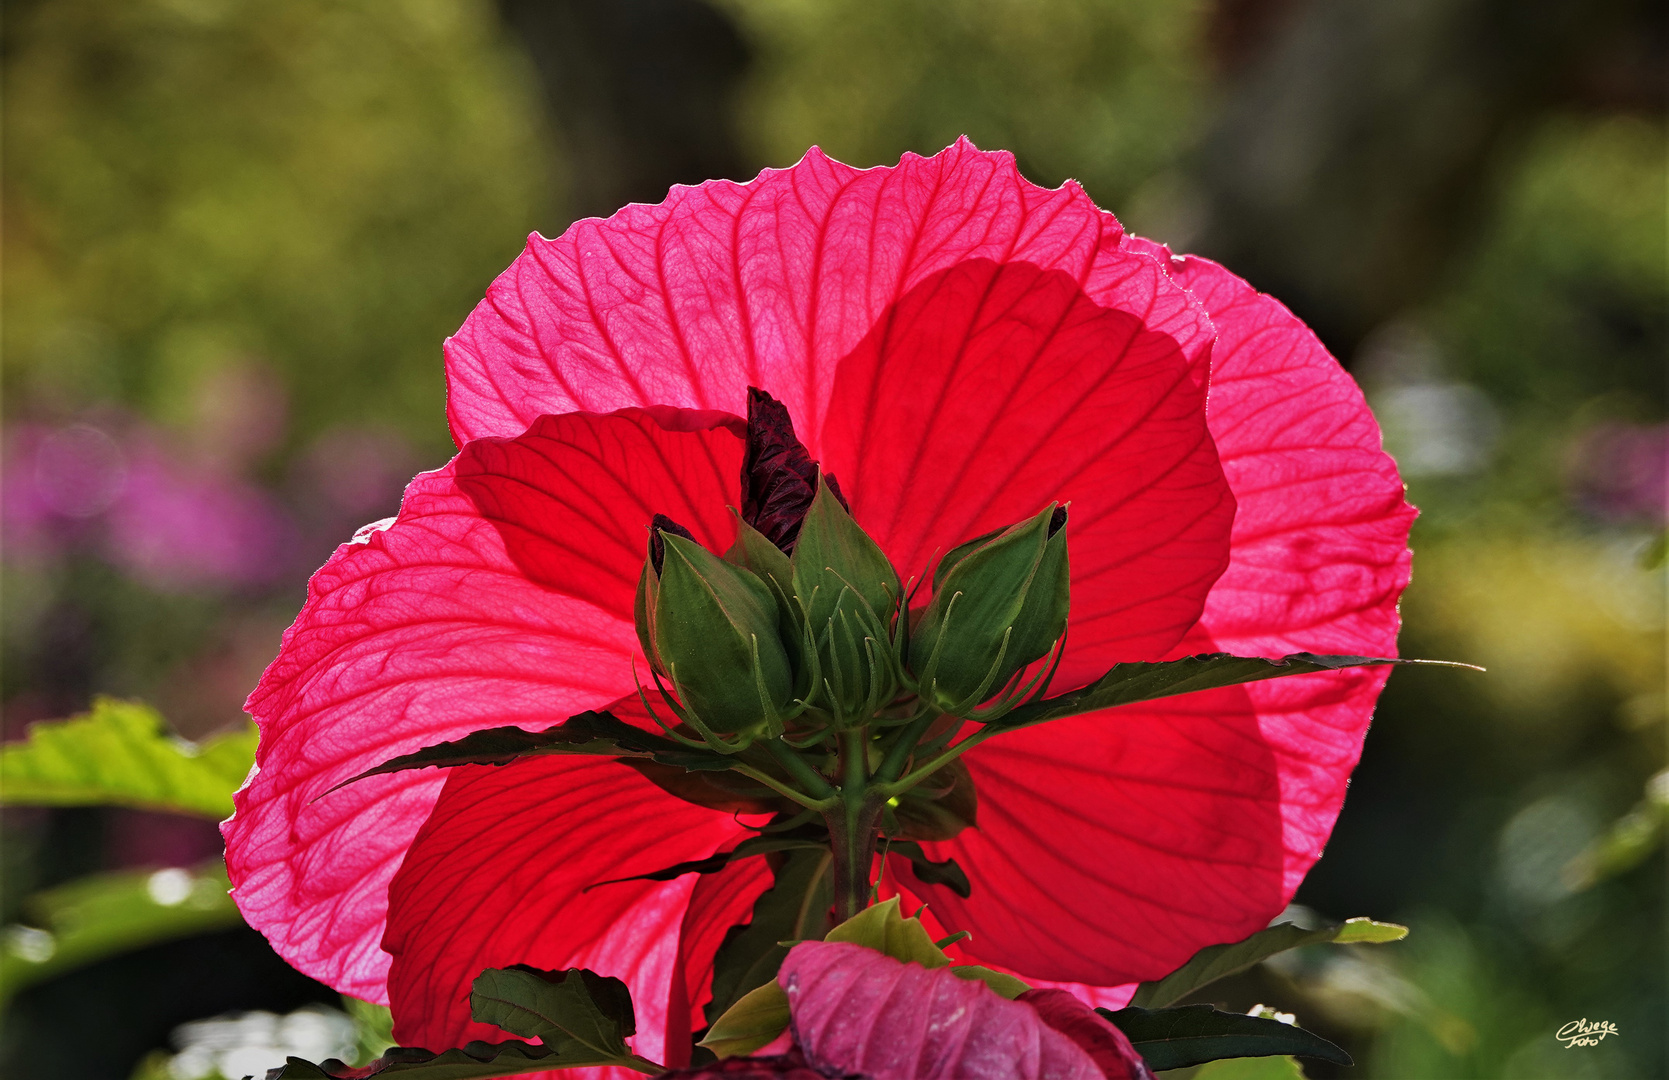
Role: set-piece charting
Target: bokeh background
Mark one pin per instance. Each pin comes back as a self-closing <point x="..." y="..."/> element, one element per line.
<point x="236" y="234"/>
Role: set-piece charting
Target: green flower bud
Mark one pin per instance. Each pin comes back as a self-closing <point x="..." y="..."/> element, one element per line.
<point x="712" y="629"/>
<point x="999" y="603"/>
<point x="849" y="595"/>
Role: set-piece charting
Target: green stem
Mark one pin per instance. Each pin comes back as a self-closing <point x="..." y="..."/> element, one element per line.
<point x="854" y="823"/>
<point x="643" y="1065"/>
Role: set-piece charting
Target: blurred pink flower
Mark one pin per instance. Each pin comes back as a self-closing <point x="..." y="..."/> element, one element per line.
<point x="117" y="491"/>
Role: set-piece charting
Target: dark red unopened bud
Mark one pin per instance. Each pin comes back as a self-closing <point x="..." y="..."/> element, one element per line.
<point x="779" y="479"/>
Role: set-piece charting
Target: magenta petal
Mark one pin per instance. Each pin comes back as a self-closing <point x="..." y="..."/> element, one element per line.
<point x="502" y="595"/>
<point x="1111" y="847"/>
<point x="727" y="285"/>
<point x="858" y="1011"/>
<point x="1093" y="1034"/>
<point x="505" y="872"/>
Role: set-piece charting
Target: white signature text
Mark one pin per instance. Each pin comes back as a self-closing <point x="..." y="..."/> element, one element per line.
<point x="1585" y="1033"/>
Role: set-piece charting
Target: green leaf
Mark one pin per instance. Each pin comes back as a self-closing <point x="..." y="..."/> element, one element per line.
<point x="105" y="914"/>
<point x="582" y="1017"/>
<point x="712" y="864"/>
<point x="1001" y="982"/>
<point x="473" y="1061"/>
<point x="794" y="908"/>
<point x="1194" y="1034"/>
<point x="1127" y="684"/>
<point x="884" y="928"/>
<point x="1259" y="1068"/>
<point x="596" y="733"/>
<point x="758" y="1017"/>
<point x="945" y="873"/>
<point x="122" y="754"/>
<point x="1220" y="961"/>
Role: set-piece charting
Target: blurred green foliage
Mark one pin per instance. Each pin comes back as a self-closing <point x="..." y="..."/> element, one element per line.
<point x="325" y="187"/>
<point x="1108" y="94"/>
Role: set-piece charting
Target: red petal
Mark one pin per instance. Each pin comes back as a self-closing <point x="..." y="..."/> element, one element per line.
<point x="501" y="595"/>
<point x="1113" y="846"/>
<point x="989" y="391"/>
<point x="1093" y="1034"/>
<point x="859" y="1011"/>
<point x="499" y="875"/>
<point x="718" y="902"/>
<point x="728" y="285"/>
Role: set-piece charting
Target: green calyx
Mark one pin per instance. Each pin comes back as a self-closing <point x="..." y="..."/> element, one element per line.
<point x="713" y="630"/>
<point x="847" y="594"/>
<point x="999" y="604"/>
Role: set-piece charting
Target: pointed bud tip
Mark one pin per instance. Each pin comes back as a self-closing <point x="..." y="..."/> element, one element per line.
<point x="1057" y="521"/>
<point x="657" y="548"/>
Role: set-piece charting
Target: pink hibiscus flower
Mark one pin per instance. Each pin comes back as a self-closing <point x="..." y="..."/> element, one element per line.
<point x="961" y="348"/>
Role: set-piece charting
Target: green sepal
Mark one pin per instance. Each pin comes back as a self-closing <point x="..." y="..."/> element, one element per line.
<point x="1216" y="962"/>
<point x="999" y="607"/>
<point x="716" y="632"/>
<point x="1194" y="1034"/>
<point x="849" y="594"/>
<point x="591" y="733"/>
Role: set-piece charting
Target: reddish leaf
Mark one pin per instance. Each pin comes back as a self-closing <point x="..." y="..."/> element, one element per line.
<point x="857" y="1010"/>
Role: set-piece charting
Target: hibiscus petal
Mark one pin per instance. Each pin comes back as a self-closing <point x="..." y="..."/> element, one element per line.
<point x="499" y="875"/>
<point x="501" y="595"/>
<point x="727" y="285"/>
<point x="991" y="390"/>
<point x="1112" y="846"/>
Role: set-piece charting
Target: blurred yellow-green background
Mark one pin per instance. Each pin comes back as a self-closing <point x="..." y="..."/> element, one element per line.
<point x="235" y="235"/>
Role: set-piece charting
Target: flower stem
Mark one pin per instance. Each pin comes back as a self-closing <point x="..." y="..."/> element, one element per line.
<point x="853" y="826"/>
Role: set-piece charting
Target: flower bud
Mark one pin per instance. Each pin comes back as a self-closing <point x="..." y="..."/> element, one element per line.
<point x="849" y="594"/>
<point x="999" y="603"/>
<point x="712" y="628"/>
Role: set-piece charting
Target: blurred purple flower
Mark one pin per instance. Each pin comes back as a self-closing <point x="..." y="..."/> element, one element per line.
<point x="54" y="482"/>
<point x="1620" y="472"/>
<point x="178" y="528"/>
<point x="173" y="525"/>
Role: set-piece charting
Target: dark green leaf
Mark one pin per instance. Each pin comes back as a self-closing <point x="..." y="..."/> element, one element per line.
<point x="712" y="864"/>
<point x="1220" y="961"/>
<point x="1194" y="1034"/>
<point x="122" y="754"/>
<point x="1126" y="684"/>
<point x="597" y="733"/>
<point x="583" y="1018"/>
<point x="945" y="873"/>
<point x="795" y="907"/>
<point x="474" y="1060"/>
